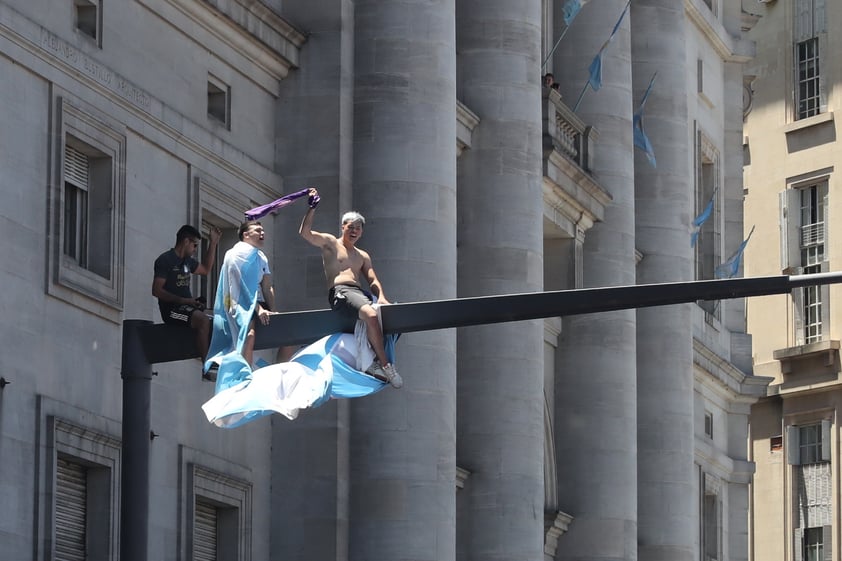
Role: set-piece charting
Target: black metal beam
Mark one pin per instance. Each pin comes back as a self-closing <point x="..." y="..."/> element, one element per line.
<point x="164" y="343"/>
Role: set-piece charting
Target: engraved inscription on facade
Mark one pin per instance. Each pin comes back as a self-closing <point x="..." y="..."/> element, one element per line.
<point x="95" y="70"/>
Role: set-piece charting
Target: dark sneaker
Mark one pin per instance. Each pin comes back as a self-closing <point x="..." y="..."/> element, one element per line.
<point x="210" y="375"/>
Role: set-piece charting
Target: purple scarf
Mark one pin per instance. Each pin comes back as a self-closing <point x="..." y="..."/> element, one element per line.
<point x="261" y="211"/>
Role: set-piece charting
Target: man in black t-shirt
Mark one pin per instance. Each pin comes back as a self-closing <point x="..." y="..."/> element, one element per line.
<point x="171" y="285"/>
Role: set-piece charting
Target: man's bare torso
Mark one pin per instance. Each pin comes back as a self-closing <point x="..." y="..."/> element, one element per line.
<point x="343" y="265"/>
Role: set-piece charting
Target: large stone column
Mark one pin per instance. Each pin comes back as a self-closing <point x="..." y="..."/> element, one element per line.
<point x="500" y="383"/>
<point x="403" y="465"/>
<point x="595" y="389"/>
<point x="310" y="471"/>
<point x="667" y="511"/>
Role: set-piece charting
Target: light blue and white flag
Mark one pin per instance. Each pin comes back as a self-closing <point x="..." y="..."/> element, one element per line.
<point x="332" y="367"/>
<point x="701" y="219"/>
<point x="595" y="68"/>
<point x="730" y="268"/>
<point x="570" y="10"/>
<point x="236" y="299"/>
<point x="640" y="138"/>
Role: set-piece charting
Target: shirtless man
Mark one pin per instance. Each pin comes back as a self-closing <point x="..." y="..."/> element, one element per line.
<point x="345" y="267"/>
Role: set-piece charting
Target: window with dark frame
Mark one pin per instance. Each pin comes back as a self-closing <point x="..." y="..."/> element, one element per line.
<point x="809" y="444"/>
<point x="814" y="544"/>
<point x="708" y="245"/>
<point x="807" y="60"/>
<point x="809" y="36"/>
<point x="87" y="207"/>
<point x="812" y="257"/>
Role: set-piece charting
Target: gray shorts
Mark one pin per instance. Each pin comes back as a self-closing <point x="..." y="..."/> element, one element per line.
<point x="348" y="299"/>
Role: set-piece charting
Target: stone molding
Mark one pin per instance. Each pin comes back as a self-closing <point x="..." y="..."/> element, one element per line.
<point x="466" y="122"/>
<point x="728" y="47"/>
<point x="737" y="386"/>
<point x="555" y="525"/>
<point x="248" y="27"/>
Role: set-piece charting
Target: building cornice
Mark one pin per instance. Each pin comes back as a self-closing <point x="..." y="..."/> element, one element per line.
<point x="730" y="48"/>
<point x="262" y="38"/>
<point x="736" y="385"/>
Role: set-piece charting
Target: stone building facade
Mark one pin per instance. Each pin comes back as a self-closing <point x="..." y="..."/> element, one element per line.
<point x="613" y="436"/>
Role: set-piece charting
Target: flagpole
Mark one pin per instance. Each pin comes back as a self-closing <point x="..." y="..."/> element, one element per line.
<point x="544" y="64"/>
<point x="581" y="95"/>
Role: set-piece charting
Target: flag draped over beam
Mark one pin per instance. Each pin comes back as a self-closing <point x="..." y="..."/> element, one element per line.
<point x="730" y="268"/>
<point x="701" y="219"/>
<point x="323" y="370"/>
<point x="259" y="212"/>
<point x="595" y="69"/>
<point x="640" y="138"/>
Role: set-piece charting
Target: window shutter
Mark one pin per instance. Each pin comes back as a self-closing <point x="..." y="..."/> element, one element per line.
<point x="70" y="511"/>
<point x="204" y="532"/>
<point x="827" y="543"/>
<point x="825" y="222"/>
<point x="819" y="17"/>
<point x="821" y="63"/>
<point x="825" y="436"/>
<point x="790" y="218"/>
<point x="802" y="24"/>
<point x="76" y="167"/>
<point x="798" y="545"/>
<point x="793" y="448"/>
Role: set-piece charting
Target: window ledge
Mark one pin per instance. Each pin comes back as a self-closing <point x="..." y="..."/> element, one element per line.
<point x="801" y="124"/>
<point x="829" y="348"/>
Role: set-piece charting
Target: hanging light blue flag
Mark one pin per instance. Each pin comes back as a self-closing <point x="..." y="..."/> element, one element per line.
<point x="595" y="68"/>
<point x="640" y="138"/>
<point x="699" y="220"/>
<point x="730" y="268"/>
<point x="570" y="10"/>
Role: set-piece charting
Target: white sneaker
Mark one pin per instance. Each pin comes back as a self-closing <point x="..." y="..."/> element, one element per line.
<point x="392" y="376"/>
<point x="385" y="373"/>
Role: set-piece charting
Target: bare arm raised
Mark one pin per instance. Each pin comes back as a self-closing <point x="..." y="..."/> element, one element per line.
<point x="318" y="239"/>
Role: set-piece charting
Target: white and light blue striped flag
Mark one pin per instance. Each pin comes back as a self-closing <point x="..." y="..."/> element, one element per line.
<point x="595" y="69"/>
<point x="321" y="371"/>
<point x="701" y="219"/>
<point x="731" y="267"/>
<point x="570" y="10"/>
<point x="640" y="138"/>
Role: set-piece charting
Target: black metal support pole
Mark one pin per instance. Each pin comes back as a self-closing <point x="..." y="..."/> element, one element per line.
<point x="136" y="372"/>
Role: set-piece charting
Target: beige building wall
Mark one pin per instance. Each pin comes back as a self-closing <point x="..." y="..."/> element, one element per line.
<point x="787" y="153"/>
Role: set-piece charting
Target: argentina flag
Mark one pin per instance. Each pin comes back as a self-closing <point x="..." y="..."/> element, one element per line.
<point x="332" y="367"/>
